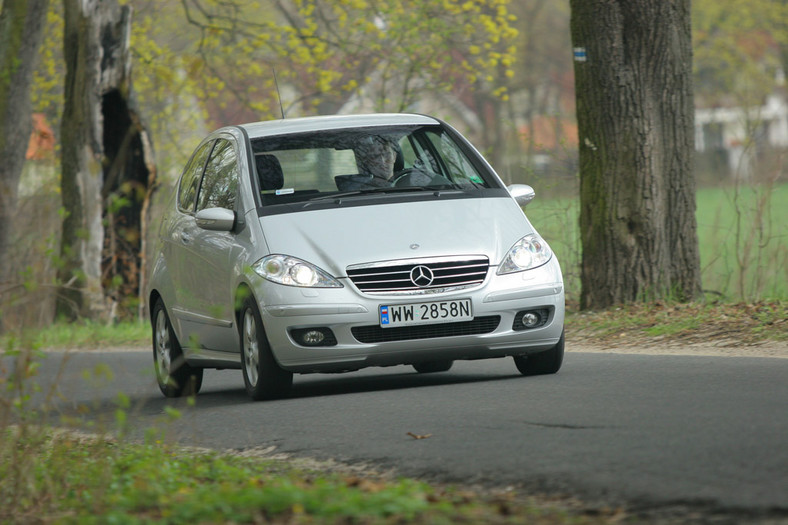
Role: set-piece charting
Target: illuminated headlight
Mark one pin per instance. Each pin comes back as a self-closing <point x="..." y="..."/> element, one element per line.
<point x="529" y="252"/>
<point x="290" y="271"/>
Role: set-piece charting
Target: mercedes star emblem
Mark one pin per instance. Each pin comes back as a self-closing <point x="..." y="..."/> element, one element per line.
<point x="421" y="276"/>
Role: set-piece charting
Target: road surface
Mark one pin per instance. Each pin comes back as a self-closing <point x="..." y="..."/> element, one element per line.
<point x="644" y="431"/>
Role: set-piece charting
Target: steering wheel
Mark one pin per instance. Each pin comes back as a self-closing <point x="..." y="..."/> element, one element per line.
<point x="425" y="177"/>
<point x="401" y="178"/>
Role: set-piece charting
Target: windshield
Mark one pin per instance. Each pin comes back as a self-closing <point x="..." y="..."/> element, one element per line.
<point x="339" y="163"/>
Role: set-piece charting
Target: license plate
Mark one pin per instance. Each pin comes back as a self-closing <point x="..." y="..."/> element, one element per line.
<point x="425" y="313"/>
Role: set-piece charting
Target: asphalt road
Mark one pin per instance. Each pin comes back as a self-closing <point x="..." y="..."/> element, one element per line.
<point x="640" y="430"/>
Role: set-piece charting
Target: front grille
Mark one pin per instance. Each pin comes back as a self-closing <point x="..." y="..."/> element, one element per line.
<point x="448" y="273"/>
<point x="376" y="334"/>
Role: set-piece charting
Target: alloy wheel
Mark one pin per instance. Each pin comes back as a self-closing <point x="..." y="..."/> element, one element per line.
<point x="251" y="348"/>
<point x="163" y="346"/>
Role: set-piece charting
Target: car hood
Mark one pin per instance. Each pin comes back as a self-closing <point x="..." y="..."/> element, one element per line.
<point x="337" y="238"/>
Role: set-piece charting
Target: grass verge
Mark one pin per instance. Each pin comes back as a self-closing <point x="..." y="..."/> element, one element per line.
<point x="728" y="324"/>
<point x="81" y="334"/>
<point x="62" y="477"/>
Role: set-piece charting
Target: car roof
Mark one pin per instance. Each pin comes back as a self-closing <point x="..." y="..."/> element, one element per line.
<point x="304" y="124"/>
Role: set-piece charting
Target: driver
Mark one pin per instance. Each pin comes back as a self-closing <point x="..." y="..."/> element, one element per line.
<point x="375" y="156"/>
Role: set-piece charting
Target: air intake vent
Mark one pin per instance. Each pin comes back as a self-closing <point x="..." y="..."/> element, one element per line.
<point x="376" y="334"/>
<point x="419" y="276"/>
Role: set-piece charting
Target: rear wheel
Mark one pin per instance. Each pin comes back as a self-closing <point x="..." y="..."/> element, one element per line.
<point x="547" y="362"/>
<point x="263" y="377"/>
<point x="174" y="375"/>
<point x="433" y="366"/>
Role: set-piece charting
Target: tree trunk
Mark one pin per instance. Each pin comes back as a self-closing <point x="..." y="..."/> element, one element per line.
<point x="21" y="32"/>
<point x="635" y="112"/>
<point x="106" y="161"/>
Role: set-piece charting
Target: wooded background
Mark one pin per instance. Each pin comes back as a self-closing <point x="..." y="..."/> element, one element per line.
<point x="121" y="92"/>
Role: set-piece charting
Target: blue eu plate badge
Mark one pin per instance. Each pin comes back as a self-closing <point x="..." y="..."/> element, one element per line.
<point x="384" y="315"/>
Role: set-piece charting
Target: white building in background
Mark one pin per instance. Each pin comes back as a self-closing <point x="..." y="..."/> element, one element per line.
<point x="742" y="134"/>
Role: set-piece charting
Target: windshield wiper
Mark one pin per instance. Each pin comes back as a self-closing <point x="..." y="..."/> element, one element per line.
<point x="403" y="189"/>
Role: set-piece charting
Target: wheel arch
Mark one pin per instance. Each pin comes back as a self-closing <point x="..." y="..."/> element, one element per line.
<point x="242" y="292"/>
<point x="153" y="297"/>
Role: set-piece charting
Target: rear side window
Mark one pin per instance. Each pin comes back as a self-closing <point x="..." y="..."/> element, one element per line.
<point x="220" y="183"/>
<point x="190" y="181"/>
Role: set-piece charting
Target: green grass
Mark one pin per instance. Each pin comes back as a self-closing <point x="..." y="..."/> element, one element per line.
<point x="742" y="238"/>
<point x="81" y="334"/>
<point x="64" y="477"/>
<point x="556" y="220"/>
<point x="744" y="241"/>
<point x="103" y="481"/>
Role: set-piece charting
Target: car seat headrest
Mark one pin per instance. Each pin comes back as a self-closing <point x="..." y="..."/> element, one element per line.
<point x="269" y="172"/>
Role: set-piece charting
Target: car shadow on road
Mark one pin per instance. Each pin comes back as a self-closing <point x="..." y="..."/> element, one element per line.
<point x="144" y="405"/>
<point x="325" y="385"/>
<point x="304" y="387"/>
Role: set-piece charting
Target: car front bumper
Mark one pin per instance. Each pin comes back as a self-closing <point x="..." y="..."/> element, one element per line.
<point x="358" y="340"/>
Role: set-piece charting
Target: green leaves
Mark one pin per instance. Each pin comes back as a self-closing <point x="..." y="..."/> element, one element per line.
<point x="327" y="51"/>
<point x="95" y="480"/>
<point x="736" y="47"/>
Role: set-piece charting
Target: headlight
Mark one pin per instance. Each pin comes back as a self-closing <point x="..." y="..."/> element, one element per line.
<point x="287" y="270"/>
<point x="529" y="252"/>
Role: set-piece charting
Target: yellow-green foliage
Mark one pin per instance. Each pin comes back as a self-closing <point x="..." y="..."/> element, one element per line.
<point x="170" y="94"/>
<point x="47" y="88"/>
<point x="327" y="50"/>
<point x="194" y="60"/>
<point x="736" y="46"/>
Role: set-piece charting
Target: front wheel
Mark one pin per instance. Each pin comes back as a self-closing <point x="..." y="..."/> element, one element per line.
<point x="174" y="375"/>
<point x="263" y="377"/>
<point x="547" y="362"/>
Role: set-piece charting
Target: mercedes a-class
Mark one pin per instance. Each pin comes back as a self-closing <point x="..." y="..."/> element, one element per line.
<point x="329" y="244"/>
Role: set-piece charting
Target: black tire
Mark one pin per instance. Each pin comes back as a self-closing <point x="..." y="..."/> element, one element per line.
<point x="547" y="362"/>
<point x="173" y="374"/>
<point x="263" y="377"/>
<point x="433" y="366"/>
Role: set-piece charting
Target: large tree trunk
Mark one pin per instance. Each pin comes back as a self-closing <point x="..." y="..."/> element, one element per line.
<point x="21" y="31"/>
<point x="106" y="161"/>
<point x="635" y="117"/>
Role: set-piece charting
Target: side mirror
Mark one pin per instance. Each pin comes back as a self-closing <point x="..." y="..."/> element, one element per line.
<point x="522" y="193"/>
<point x="216" y="219"/>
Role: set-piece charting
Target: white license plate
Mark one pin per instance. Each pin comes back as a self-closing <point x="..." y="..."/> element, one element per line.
<point x="425" y="313"/>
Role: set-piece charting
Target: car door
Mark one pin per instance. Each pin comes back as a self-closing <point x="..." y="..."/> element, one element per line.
<point x="178" y="231"/>
<point x="210" y="271"/>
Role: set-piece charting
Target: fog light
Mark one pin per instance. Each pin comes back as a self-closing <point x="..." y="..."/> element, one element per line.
<point x="317" y="336"/>
<point x="530" y="319"/>
<point x="312" y="337"/>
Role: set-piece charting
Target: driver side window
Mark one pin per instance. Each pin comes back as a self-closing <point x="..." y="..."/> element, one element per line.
<point x="455" y="162"/>
<point x="190" y="181"/>
<point x="220" y="183"/>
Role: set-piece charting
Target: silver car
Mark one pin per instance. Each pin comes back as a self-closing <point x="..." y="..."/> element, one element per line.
<point x="330" y="244"/>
